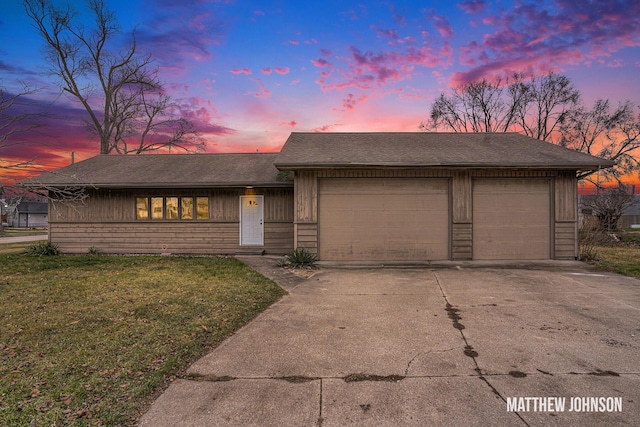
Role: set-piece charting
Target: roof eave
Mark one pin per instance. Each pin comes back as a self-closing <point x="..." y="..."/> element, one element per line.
<point x="278" y="184"/>
<point x="297" y="166"/>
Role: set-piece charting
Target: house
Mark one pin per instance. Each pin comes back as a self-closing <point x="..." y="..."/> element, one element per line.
<point x="631" y="215"/>
<point x="29" y="214"/>
<point x="344" y="196"/>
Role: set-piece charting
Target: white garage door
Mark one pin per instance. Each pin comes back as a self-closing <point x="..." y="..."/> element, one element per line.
<point x="511" y="219"/>
<point x="383" y="219"/>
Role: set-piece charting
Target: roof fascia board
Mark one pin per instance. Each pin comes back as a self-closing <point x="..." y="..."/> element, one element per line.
<point x="165" y="185"/>
<point x="285" y="167"/>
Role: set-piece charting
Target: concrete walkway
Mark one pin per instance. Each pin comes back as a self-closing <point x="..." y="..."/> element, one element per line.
<point x="20" y="239"/>
<point x="416" y="347"/>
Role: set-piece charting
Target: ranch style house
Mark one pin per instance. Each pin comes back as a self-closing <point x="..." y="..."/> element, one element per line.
<point x="366" y="197"/>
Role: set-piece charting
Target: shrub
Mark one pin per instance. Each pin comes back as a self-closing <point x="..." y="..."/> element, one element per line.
<point x="94" y="251"/>
<point x="45" y="248"/>
<point x="299" y="258"/>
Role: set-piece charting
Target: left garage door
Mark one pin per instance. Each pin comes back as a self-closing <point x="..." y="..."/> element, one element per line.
<point x="383" y="219"/>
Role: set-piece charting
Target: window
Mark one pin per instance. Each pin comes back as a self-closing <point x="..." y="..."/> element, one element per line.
<point x="142" y="208"/>
<point x="156" y="208"/>
<point x="186" y="207"/>
<point x="203" y="207"/>
<point x="172" y="208"/>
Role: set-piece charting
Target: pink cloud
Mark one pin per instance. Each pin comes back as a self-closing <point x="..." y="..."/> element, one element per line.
<point x="202" y="114"/>
<point x="538" y="39"/>
<point x="443" y="27"/>
<point x="291" y="124"/>
<point x="185" y="33"/>
<point x="390" y="34"/>
<point x="240" y="71"/>
<point x="473" y="7"/>
<point x="266" y="71"/>
<point x="326" y="128"/>
<point x="321" y="63"/>
<point x="282" y="70"/>
<point x="351" y="100"/>
<point x="263" y="92"/>
<point x="294" y="42"/>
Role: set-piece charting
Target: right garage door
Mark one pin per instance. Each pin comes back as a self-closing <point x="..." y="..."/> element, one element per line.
<point x="511" y="219"/>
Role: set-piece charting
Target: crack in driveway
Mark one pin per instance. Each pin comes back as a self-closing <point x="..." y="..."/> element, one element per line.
<point x="453" y="314"/>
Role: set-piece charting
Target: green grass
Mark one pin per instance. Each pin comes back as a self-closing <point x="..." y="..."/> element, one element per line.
<point x="14" y="232"/>
<point x="623" y="259"/>
<point x="92" y="340"/>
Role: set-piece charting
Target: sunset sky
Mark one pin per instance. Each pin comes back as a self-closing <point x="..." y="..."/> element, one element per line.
<point x="248" y="73"/>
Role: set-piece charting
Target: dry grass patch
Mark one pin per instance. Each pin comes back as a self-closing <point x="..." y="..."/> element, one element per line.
<point x="92" y="340"/>
<point x="619" y="259"/>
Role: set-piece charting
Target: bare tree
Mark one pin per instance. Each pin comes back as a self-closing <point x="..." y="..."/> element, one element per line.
<point x="608" y="205"/>
<point x="605" y="132"/>
<point x="14" y="121"/>
<point x="128" y="109"/>
<point x="535" y="107"/>
<point x="19" y="119"/>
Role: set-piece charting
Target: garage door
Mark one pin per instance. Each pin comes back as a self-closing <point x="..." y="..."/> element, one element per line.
<point x="383" y="219"/>
<point x="511" y="219"/>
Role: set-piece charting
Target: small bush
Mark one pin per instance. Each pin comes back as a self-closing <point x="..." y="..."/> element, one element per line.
<point x="94" y="251"/>
<point x="299" y="258"/>
<point x="592" y="237"/>
<point x="43" y="249"/>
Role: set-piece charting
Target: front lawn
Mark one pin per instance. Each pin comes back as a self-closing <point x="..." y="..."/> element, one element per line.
<point x="619" y="259"/>
<point x="92" y="340"/>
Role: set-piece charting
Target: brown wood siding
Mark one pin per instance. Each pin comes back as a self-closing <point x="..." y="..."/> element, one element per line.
<point x="212" y="238"/>
<point x="562" y="203"/>
<point x="510" y="173"/>
<point x="106" y="221"/>
<point x="462" y="241"/>
<point x="307" y="236"/>
<point x="566" y="215"/>
<point x="566" y="197"/>
<point x="306" y="196"/>
<point x="119" y="205"/>
<point x="566" y="240"/>
<point x="461" y="189"/>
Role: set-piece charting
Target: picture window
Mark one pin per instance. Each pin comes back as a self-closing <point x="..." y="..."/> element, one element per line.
<point x="172" y="208"/>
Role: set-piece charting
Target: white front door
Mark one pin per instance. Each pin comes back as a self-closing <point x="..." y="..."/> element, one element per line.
<point x="251" y="220"/>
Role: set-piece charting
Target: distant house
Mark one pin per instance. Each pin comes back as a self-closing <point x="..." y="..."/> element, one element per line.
<point x="29" y="214"/>
<point x="345" y="196"/>
<point x="631" y="215"/>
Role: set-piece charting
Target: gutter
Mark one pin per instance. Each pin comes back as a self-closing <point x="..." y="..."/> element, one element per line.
<point x="354" y="165"/>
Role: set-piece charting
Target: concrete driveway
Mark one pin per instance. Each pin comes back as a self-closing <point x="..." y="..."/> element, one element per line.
<point x="425" y="346"/>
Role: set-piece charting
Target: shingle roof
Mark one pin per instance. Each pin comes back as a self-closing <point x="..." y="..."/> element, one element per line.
<point x="416" y="149"/>
<point x="33" y="207"/>
<point x="166" y="171"/>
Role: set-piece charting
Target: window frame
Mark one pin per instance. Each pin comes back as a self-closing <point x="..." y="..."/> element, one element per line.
<point x="196" y="214"/>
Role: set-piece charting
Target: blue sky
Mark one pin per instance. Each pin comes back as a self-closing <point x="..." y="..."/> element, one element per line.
<point x="250" y="72"/>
